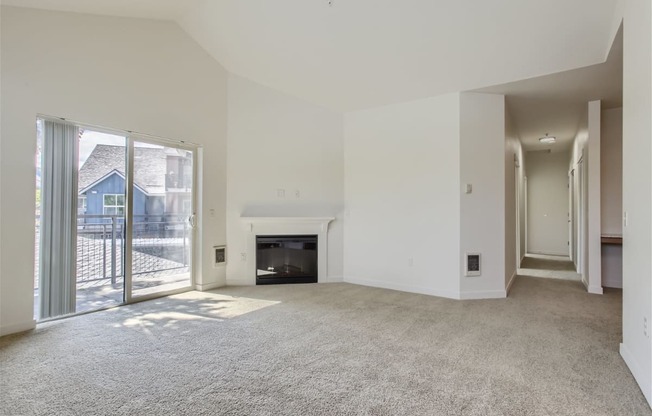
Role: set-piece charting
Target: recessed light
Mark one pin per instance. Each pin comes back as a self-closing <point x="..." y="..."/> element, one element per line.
<point x="547" y="139"/>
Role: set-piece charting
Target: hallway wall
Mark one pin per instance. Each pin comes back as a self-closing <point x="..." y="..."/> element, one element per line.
<point x="547" y="203"/>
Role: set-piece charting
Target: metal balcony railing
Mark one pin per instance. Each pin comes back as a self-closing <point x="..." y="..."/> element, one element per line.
<point x="159" y="243"/>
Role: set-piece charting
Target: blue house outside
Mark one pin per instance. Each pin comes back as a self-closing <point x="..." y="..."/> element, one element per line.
<point x="107" y="197"/>
<point x="159" y="200"/>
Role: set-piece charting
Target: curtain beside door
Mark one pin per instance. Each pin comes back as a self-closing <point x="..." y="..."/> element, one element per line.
<point x="58" y="241"/>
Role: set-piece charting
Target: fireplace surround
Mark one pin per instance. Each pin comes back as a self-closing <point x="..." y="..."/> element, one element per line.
<point x="285" y="226"/>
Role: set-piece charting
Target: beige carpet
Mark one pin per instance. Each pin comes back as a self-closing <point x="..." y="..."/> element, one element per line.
<point x="551" y="267"/>
<point x="332" y="349"/>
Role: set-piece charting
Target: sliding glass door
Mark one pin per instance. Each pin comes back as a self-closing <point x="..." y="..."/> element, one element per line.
<point x="161" y="208"/>
<point x="114" y="218"/>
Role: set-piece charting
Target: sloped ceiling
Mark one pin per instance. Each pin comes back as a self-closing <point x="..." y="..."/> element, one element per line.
<point x="557" y="103"/>
<point x="354" y="54"/>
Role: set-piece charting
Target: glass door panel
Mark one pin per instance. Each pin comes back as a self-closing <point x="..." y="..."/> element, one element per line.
<point x="163" y="220"/>
<point x="100" y="219"/>
<point x="97" y="229"/>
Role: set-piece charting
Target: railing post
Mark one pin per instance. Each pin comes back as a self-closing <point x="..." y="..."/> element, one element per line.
<point x="104" y="251"/>
<point x="114" y="254"/>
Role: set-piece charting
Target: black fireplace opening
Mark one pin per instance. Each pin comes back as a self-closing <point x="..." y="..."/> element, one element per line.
<point x="286" y="259"/>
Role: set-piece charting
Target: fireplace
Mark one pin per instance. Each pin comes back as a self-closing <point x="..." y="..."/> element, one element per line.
<point x="286" y="259"/>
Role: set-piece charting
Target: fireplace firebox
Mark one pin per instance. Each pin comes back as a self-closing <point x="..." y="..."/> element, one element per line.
<point x="286" y="259"/>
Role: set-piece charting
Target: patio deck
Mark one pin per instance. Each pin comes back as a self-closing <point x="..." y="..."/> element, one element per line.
<point x="159" y="260"/>
<point x="98" y="294"/>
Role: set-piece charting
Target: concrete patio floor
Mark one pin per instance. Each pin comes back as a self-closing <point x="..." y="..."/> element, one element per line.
<point x="99" y="294"/>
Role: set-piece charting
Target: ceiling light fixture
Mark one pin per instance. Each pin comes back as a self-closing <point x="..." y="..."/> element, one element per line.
<point x="548" y="139"/>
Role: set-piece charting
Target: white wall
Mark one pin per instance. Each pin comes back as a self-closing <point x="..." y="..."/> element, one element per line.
<point x="594" y="230"/>
<point x="578" y="167"/>
<point x="141" y="75"/>
<point x="514" y="202"/>
<point x="585" y="162"/>
<point x="402" y="194"/>
<point x="637" y="191"/>
<point x="611" y="166"/>
<point x="547" y="175"/>
<point x="611" y="194"/>
<point x="280" y="142"/>
<point x="482" y="165"/>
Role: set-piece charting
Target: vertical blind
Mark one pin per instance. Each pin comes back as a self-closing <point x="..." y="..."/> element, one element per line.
<point x="58" y="245"/>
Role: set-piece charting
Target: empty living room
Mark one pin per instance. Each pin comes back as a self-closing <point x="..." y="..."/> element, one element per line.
<point x="325" y="207"/>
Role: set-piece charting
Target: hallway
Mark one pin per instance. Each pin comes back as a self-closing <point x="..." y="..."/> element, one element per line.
<point x="552" y="267"/>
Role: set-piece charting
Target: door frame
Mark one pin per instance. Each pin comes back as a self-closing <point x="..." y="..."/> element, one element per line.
<point x="130" y="137"/>
<point x="129" y="219"/>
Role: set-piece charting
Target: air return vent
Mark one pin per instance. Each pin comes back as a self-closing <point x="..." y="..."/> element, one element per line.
<point x="472" y="264"/>
<point x="220" y="255"/>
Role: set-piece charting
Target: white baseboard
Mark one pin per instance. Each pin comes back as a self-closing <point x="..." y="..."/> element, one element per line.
<point x="615" y="284"/>
<point x="17" y="327"/>
<point x="402" y="288"/>
<point x="483" y="294"/>
<point x="637" y="372"/>
<point x="511" y="282"/>
<point x="585" y="283"/>
<point x="334" y="279"/>
<point x="240" y="282"/>
<point x="208" y="286"/>
<point x="596" y="290"/>
<point x="555" y="254"/>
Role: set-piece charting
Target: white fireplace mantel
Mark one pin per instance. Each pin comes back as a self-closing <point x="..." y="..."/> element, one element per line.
<point x="315" y="224"/>
<point x="287" y="226"/>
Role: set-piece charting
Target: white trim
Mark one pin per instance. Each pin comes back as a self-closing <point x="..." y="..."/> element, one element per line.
<point x="637" y="372"/>
<point x="403" y="288"/>
<point x="483" y="294"/>
<point x="297" y="220"/>
<point x="541" y="253"/>
<point x="129" y="226"/>
<point x="208" y="286"/>
<point x="335" y="279"/>
<point x="121" y="132"/>
<point x="115" y="206"/>
<point x="585" y="283"/>
<point x="612" y="283"/>
<point x="596" y="290"/>
<point x="511" y="282"/>
<point x="17" y="327"/>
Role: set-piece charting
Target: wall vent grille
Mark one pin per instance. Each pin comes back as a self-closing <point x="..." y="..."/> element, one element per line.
<point x="473" y="264"/>
<point x="219" y="256"/>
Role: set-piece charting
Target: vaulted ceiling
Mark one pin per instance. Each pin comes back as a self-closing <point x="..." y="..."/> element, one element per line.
<point x="354" y="54"/>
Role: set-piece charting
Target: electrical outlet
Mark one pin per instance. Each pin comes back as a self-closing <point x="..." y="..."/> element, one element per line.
<point x="243" y="256"/>
<point x="410" y="262"/>
<point x="297" y="193"/>
<point x="280" y="193"/>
